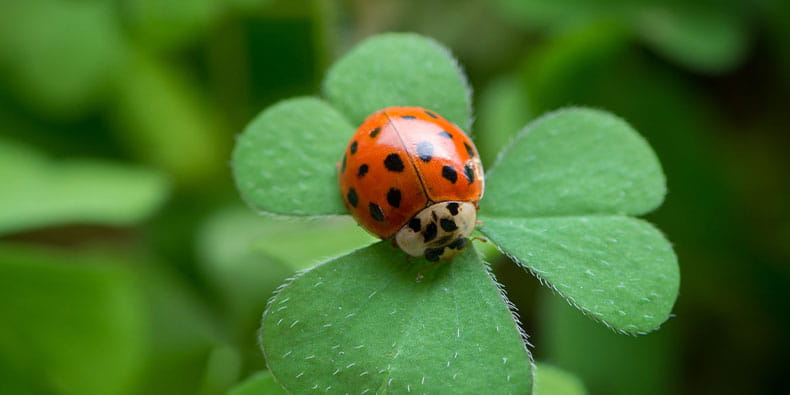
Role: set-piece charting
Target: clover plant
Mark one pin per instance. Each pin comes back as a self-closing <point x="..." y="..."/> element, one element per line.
<point x="560" y="201"/>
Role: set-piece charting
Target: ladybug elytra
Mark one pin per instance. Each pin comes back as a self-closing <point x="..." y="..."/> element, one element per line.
<point x="410" y="176"/>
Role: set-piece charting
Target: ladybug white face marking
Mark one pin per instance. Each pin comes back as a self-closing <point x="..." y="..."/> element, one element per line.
<point x="439" y="231"/>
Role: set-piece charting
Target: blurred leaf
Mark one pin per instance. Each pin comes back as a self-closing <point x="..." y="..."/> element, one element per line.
<point x="557" y="14"/>
<point x="59" y="56"/>
<point x="261" y="383"/>
<point x="703" y="36"/>
<point x="504" y="108"/>
<point x="399" y="69"/>
<point x="564" y="68"/>
<point x="173" y="23"/>
<point x="223" y="367"/>
<point x="618" y="270"/>
<point x="235" y="233"/>
<point x="575" y="162"/>
<point x="75" y="323"/>
<point x="606" y="362"/>
<point x="246" y="256"/>
<point x="166" y="123"/>
<point x="39" y="192"/>
<point x="707" y="36"/>
<point x="286" y="160"/>
<point x="185" y="333"/>
<point x="551" y="380"/>
<point x="362" y="322"/>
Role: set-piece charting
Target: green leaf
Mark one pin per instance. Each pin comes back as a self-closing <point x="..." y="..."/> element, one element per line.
<point x="362" y="322"/>
<point x="558" y="14"/>
<point x="399" y="69"/>
<point x="606" y="362"/>
<point x="171" y="24"/>
<point x="38" y="192"/>
<point x="165" y="121"/>
<point x="503" y="108"/>
<point x="84" y="38"/>
<point x="74" y="323"/>
<point x="575" y="161"/>
<point x="185" y="331"/>
<point x="246" y="256"/>
<point x="257" y="384"/>
<point x="618" y="270"/>
<point x="285" y="162"/>
<point x="223" y="368"/>
<point x="551" y="380"/>
<point x="703" y="36"/>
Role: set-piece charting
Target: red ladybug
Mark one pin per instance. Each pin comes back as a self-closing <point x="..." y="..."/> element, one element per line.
<point x="411" y="176"/>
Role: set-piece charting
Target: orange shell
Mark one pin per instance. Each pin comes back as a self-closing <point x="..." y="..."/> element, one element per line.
<point x="401" y="160"/>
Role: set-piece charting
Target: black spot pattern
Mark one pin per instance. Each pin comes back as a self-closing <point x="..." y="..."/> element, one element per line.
<point x="449" y="173"/>
<point x="393" y="162"/>
<point x="432" y="115"/>
<point x="445" y="133"/>
<point x="453" y="207"/>
<point x="374" y="132"/>
<point x="458" y="244"/>
<point x="425" y="151"/>
<point x="353" y="147"/>
<point x="375" y="212"/>
<point x="433" y="254"/>
<point x="469" y="149"/>
<point x="362" y="171"/>
<point x="343" y="166"/>
<point x="430" y="232"/>
<point x="393" y="197"/>
<point x="409" y="117"/>
<point x="448" y="225"/>
<point x="352" y="197"/>
<point x="469" y="173"/>
<point x="415" y="224"/>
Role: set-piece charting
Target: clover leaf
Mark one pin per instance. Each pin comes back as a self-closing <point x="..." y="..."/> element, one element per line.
<point x="558" y="201"/>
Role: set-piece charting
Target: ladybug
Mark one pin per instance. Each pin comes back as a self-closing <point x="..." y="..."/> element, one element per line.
<point x="410" y="176"/>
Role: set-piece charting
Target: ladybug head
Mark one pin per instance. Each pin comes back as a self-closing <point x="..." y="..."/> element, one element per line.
<point x="439" y="231"/>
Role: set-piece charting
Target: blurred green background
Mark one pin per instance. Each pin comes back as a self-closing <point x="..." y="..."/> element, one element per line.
<point x="128" y="263"/>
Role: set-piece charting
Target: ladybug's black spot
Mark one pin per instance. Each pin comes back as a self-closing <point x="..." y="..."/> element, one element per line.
<point x="449" y="173"/>
<point x="393" y="197"/>
<point x="458" y="244"/>
<point x="353" y="148"/>
<point x="445" y="133"/>
<point x="374" y="132"/>
<point x="393" y="163"/>
<point x="415" y="224"/>
<point x="448" y="225"/>
<point x="409" y="117"/>
<point x="343" y="166"/>
<point x="469" y="149"/>
<point x="352" y="197"/>
<point x="433" y="254"/>
<point x="453" y="207"/>
<point x="432" y="115"/>
<point x="430" y="232"/>
<point x="469" y="173"/>
<point x="375" y="212"/>
<point x="362" y="170"/>
<point x="425" y="151"/>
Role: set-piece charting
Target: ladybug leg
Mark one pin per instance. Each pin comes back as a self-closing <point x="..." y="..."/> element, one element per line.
<point x="483" y="239"/>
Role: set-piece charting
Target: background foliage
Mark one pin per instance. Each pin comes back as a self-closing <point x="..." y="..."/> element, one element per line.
<point x="120" y="228"/>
